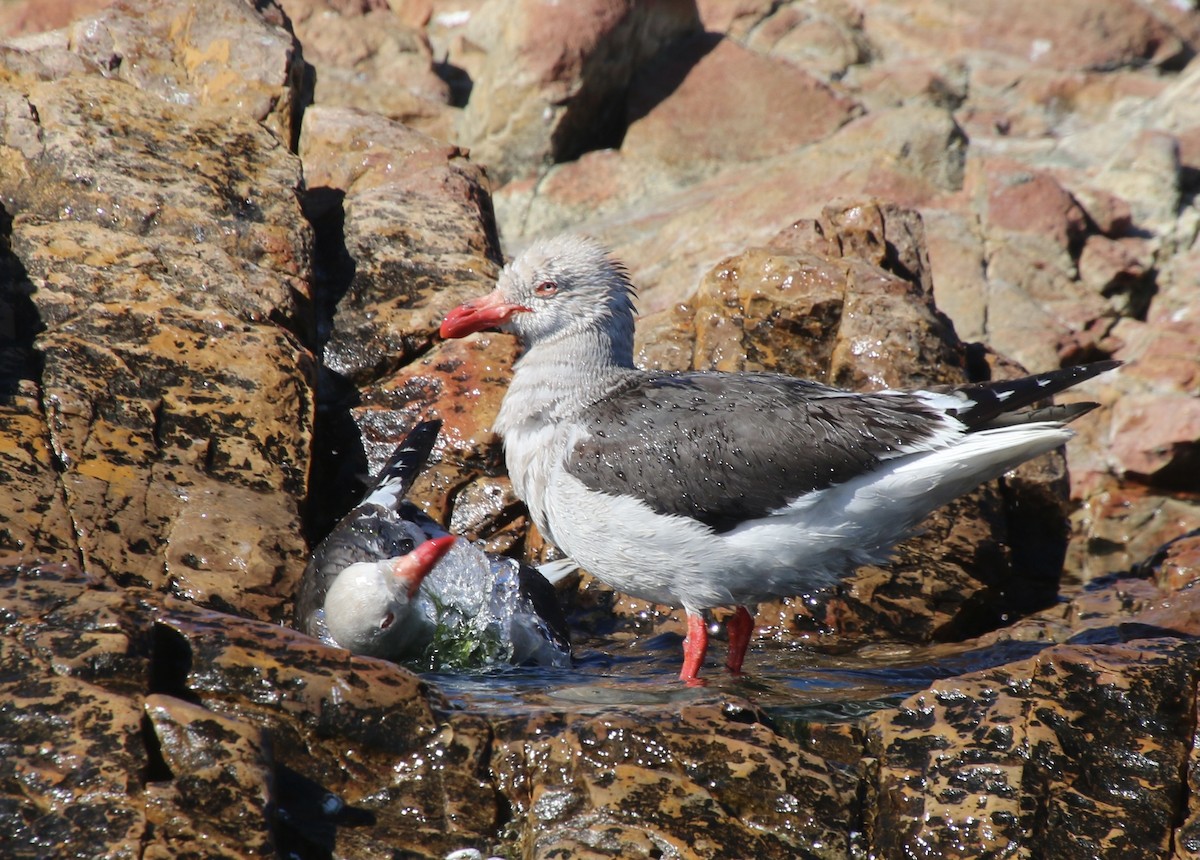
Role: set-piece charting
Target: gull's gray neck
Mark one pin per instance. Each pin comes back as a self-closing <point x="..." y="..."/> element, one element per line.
<point x="559" y="376"/>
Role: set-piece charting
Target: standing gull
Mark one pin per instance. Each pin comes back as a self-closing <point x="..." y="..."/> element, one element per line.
<point x="707" y="489"/>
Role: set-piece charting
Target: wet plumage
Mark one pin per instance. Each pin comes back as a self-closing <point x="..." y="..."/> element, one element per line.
<point x="707" y="489"/>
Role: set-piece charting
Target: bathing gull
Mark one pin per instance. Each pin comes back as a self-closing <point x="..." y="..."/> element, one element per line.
<point x="390" y="582"/>
<point x="707" y="489"/>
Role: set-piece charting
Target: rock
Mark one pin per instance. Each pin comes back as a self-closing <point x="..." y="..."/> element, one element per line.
<point x="140" y="262"/>
<point x="1073" y="35"/>
<point x="416" y="232"/>
<point x="462" y="382"/>
<point x="996" y="761"/>
<point x="668" y="782"/>
<point x="683" y="103"/>
<point x="210" y="734"/>
<point x="210" y="760"/>
<point x="672" y="239"/>
<point x="1159" y="438"/>
<point x="554" y="77"/>
<point x="1118" y="269"/>
<point x="1176" y="566"/>
<point x="957" y="255"/>
<point x="1033" y="231"/>
<point x="405" y="233"/>
<point x="354" y="50"/>
<point x="1117" y="526"/>
<point x="1146" y="171"/>
<point x="1151" y="420"/>
<point x="17" y="19"/>
<point x="221" y="53"/>
<point x="34" y="521"/>
<point x="825" y="38"/>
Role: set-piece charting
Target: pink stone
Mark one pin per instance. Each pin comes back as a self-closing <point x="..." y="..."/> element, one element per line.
<point x="1157" y="436"/>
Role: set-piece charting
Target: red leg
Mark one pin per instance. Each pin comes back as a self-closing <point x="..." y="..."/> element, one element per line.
<point x="694" y="648"/>
<point x="739" y="627"/>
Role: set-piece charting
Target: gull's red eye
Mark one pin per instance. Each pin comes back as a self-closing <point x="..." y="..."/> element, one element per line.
<point x="545" y="289"/>
<point x="387" y="621"/>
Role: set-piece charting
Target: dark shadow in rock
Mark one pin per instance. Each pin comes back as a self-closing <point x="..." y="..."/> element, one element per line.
<point x="333" y="267"/>
<point x="20" y="321"/>
<point x="1126" y="631"/>
<point x="157" y="769"/>
<point x="458" y="80"/>
<point x="339" y="472"/>
<point x="307" y="816"/>
<point x="339" y="462"/>
<point x="1038" y="533"/>
<point x="597" y="118"/>
<point x="664" y="72"/>
<point x="170" y="664"/>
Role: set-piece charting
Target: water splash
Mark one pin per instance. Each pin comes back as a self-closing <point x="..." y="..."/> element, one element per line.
<point x="482" y="618"/>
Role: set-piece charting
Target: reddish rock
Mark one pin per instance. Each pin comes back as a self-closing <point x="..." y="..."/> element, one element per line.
<point x="1024" y="201"/>
<point x="1111" y="266"/>
<point x="354" y="47"/>
<point x="1175" y="567"/>
<point x="17" y="19"/>
<point x="670" y="241"/>
<point x="1157" y="439"/>
<point x="957" y="259"/>
<point x="1161" y="357"/>
<point x="685" y="103"/>
<point x="824" y="38"/>
<point x="733" y="17"/>
<point x="461" y="382"/>
<point x="1119" y="526"/>
<point x="553" y="81"/>
<point x="1085" y="34"/>
<point x="1032" y="231"/>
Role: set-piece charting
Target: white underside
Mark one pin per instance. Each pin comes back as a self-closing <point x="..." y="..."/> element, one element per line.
<point x="811" y="544"/>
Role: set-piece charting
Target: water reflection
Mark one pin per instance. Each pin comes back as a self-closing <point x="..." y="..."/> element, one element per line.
<point x="786" y="680"/>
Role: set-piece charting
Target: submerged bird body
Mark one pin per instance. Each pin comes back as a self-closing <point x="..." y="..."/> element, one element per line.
<point x="706" y="489"/>
<point x="389" y="582"/>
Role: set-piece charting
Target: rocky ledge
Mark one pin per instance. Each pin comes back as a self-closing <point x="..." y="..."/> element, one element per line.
<point x="230" y="231"/>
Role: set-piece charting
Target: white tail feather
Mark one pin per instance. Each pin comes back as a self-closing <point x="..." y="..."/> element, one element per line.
<point x="828" y="533"/>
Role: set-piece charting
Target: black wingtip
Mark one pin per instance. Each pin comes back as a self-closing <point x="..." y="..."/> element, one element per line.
<point x="1079" y="372"/>
<point x="410" y="455"/>
<point x="1060" y="413"/>
<point x="1004" y="402"/>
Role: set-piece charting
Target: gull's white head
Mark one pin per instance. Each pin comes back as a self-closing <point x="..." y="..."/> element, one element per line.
<point x="557" y="286"/>
<point x="369" y="607"/>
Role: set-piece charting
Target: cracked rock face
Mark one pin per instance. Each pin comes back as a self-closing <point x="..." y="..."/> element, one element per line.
<point x="160" y="255"/>
<point x="157" y="728"/>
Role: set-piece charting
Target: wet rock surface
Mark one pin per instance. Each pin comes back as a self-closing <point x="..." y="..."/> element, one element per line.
<point x="153" y="726"/>
<point x="230" y="232"/>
